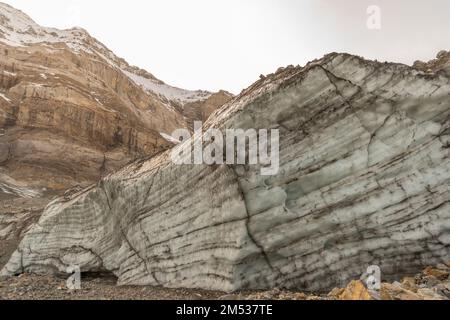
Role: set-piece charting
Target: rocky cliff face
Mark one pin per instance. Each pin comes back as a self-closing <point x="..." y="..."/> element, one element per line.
<point x="364" y="180"/>
<point x="70" y="112"/>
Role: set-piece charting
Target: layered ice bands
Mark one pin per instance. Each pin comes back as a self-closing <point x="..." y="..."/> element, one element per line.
<point x="364" y="180"/>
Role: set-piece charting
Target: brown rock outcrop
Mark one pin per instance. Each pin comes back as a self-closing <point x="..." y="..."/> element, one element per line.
<point x="71" y="111"/>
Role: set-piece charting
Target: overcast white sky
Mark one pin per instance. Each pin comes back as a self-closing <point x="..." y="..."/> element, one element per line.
<point x="227" y="44"/>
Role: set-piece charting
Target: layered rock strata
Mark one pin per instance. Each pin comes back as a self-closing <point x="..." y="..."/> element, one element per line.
<point x="72" y="111"/>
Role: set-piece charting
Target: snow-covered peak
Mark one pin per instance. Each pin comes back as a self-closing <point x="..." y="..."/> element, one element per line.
<point x="18" y="29"/>
<point x="14" y="19"/>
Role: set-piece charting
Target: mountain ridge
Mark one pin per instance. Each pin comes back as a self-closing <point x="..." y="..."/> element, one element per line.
<point x="71" y="112"/>
<point x="17" y="28"/>
<point x="69" y="84"/>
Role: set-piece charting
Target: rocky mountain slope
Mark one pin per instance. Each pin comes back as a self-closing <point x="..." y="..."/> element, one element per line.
<point x="70" y="112"/>
<point x="364" y="180"/>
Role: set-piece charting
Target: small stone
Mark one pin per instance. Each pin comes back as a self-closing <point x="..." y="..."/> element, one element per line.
<point x="300" y="296"/>
<point x="355" y="291"/>
<point x="446" y="284"/>
<point x="442" y="266"/>
<point x="442" y="290"/>
<point x="430" y="281"/>
<point x="229" y="297"/>
<point x="313" y="298"/>
<point x="409" y="283"/>
<point x="336" y="292"/>
<point x="437" y="273"/>
<point x="429" y="294"/>
<point x="396" y="292"/>
<point x="442" y="54"/>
